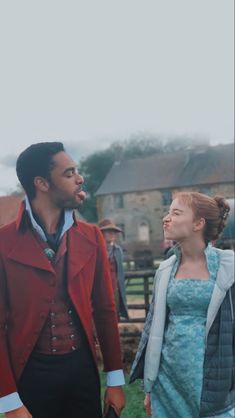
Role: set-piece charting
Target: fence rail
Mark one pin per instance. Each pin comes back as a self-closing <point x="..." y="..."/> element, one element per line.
<point x="139" y="283"/>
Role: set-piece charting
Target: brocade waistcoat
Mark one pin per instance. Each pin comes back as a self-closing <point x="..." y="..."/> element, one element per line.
<point x="62" y="330"/>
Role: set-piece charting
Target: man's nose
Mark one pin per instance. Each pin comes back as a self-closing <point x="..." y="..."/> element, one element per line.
<point x="79" y="179"/>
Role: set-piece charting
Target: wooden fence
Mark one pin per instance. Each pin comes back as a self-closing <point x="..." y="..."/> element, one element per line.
<point x="139" y="283"/>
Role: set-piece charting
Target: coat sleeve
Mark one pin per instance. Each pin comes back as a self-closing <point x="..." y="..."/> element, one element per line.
<point x="104" y="310"/>
<point x="7" y="381"/>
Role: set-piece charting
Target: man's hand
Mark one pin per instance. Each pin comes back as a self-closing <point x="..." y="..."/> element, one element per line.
<point x="115" y="397"/>
<point x="21" y="412"/>
<point x="147" y="404"/>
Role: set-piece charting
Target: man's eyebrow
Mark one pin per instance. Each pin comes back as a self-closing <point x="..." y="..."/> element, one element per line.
<point x="179" y="210"/>
<point x="73" y="168"/>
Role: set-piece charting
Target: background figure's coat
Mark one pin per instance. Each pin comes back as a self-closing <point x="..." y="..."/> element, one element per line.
<point x="118" y="256"/>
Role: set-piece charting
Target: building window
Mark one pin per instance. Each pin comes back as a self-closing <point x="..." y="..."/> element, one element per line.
<point x="143" y="231"/>
<point x="166" y="197"/>
<point x="118" y="201"/>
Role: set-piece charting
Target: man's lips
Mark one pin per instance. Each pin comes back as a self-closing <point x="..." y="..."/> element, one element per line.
<point x="81" y="195"/>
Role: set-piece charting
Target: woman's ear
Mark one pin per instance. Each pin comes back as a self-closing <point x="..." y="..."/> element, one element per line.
<point x="199" y="224"/>
<point x="41" y="184"/>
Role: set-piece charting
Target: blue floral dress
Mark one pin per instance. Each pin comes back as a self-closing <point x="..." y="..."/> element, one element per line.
<point x="177" y="391"/>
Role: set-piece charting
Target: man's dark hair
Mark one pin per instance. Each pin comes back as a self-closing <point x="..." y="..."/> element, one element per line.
<point x="36" y="160"/>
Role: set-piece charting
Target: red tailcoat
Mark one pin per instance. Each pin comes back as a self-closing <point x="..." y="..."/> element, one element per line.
<point x="27" y="287"/>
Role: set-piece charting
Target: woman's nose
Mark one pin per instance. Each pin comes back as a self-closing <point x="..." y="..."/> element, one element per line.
<point x="166" y="218"/>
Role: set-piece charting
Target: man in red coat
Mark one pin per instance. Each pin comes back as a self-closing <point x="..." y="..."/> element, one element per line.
<point x="55" y="286"/>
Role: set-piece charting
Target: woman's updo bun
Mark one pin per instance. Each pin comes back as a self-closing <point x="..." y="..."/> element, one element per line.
<point x="224" y="210"/>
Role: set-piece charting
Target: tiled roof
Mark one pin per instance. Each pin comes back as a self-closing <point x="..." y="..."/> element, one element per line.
<point x="199" y="166"/>
<point x="9" y="206"/>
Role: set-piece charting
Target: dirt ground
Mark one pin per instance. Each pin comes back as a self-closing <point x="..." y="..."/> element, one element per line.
<point x="129" y="346"/>
<point x="130" y="343"/>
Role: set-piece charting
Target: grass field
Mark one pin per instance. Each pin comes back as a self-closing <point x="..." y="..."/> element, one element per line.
<point x="134" y="398"/>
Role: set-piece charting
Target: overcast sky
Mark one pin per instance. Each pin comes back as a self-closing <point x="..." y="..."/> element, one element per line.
<point x="91" y="72"/>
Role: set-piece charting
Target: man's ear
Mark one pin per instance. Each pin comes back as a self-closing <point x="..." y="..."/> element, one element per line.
<point x="199" y="224"/>
<point x="41" y="184"/>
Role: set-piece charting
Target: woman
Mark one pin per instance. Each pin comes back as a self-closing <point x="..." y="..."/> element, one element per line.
<point x="186" y="353"/>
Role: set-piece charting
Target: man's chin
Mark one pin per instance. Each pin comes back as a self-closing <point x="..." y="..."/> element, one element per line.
<point x="75" y="204"/>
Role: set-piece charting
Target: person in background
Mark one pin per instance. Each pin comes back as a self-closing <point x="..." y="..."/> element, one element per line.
<point x="55" y="284"/>
<point x="187" y="350"/>
<point x="110" y="232"/>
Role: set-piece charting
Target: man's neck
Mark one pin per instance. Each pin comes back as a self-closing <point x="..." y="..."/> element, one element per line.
<point x="49" y="216"/>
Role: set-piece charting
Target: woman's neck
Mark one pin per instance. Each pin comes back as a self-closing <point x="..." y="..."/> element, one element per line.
<point x="192" y="251"/>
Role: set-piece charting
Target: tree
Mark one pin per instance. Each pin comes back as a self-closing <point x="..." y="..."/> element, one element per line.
<point x="94" y="169"/>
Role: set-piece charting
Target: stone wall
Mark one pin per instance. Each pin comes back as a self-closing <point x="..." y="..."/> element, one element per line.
<point x="141" y="213"/>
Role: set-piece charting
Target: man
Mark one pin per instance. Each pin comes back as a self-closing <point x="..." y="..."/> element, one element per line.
<point x="54" y="285"/>
<point x="110" y="232"/>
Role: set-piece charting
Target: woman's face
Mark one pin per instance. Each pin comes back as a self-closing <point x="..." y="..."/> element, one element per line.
<point x="179" y="223"/>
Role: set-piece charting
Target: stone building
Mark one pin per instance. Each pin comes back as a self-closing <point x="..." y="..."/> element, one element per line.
<point x="136" y="193"/>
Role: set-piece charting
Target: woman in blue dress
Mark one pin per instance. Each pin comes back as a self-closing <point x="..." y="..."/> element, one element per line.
<point x="186" y="353"/>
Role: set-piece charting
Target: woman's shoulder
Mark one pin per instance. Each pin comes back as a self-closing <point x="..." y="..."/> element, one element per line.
<point x="167" y="263"/>
<point x="225" y="256"/>
<point x="225" y="276"/>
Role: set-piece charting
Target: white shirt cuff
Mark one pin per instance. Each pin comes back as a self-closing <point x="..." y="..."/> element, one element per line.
<point x="115" y="378"/>
<point x="10" y="402"/>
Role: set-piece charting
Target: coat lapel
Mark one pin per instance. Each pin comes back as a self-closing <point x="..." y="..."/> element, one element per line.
<point x="80" y="251"/>
<point x="27" y="250"/>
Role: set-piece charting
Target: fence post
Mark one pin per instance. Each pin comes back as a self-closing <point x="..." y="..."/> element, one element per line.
<point x="146" y="294"/>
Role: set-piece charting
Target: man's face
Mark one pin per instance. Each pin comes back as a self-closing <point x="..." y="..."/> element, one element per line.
<point x="110" y="236"/>
<point x="65" y="184"/>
